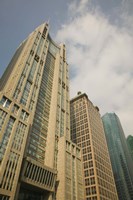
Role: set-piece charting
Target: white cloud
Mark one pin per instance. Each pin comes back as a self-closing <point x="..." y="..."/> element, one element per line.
<point x="78" y="7"/>
<point x="101" y="55"/>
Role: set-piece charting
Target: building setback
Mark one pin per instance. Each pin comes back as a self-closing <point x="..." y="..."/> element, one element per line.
<point x="35" y="144"/>
<point x="88" y="133"/>
<point x="122" y="163"/>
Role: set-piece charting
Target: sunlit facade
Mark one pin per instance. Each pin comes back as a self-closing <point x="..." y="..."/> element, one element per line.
<point x="35" y="124"/>
<point x="88" y="133"/>
<point x="122" y="163"/>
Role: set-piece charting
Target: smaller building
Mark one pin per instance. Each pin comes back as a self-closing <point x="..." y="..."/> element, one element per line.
<point x="70" y="174"/>
<point x="88" y="133"/>
<point x="130" y="144"/>
<point x="120" y="158"/>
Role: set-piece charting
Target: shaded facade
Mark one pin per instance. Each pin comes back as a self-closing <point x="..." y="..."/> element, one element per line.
<point x="88" y="133"/>
<point x="122" y="164"/>
<point x="35" y="122"/>
<point x="130" y="144"/>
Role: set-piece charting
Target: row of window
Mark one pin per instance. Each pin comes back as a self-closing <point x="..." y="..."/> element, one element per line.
<point x="72" y="148"/>
<point x="107" y="194"/>
<point x="105" y="176"/>
<point x="93" y="198"/>
<point x="108" y="185"/>
<point x="91" y="190"/>
<point x="88" y="172"/>
<point x="3" y="115"/>
<point x="10" y="170"/>
<point x="79" y="127"/>
<point x="84" y="144"/>
<point x="36" y="148"/>
<point x="81" y="138"/>
<point x="78" y="108"/>
<point x="15" y="108"/>
<point x="32" y="71"/>
<point x="78" y="103"/>
<point x="90" y="181"/>
<point x="101" y="152"/>
<point x="105" y="167"/>
<point x="6" y="136"/>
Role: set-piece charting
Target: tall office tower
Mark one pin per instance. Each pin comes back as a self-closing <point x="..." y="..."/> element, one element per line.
<point x="120" y="157"/>
<point x="87" y="132"/>
<point x="35" y="124"/>
<point x="130" y="144"/>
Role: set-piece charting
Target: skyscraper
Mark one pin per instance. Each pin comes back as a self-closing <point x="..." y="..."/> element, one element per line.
<point x="122" y="163"/>
<point x="88" y="133"/>
<point x="130" y="144"/>
<point x="35" y="144"/>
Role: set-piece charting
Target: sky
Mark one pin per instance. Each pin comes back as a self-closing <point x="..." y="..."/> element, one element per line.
<point x="99" y="39"/>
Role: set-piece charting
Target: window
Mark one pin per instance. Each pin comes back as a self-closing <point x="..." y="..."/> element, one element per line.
<point x="90" y="164"/>
<point x="24" y="115"/>
<point x="93" y="190"/>
<point x="5" y="102"/>
<point x="3" y="115"/>
<point x="92" y="180"/>
<point x="91" y="172"/>
<point x="85" y="158"/>
<point x="15" y="109"/>
<point x="87" y="182"/>
<point x="26" y="93"/>
<point x="88" y="191"/>
<point x="85" y="165"/>
<point x="86" y="173"/>
<point x="32" y="71"/>
<point x="84" y="151"/>
<point x="94" y="198"/>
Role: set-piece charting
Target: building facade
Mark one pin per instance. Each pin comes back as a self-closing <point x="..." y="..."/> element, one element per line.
<point x="88" y="133"/>
<point x="122" y="163"/>
<point x="35" y="123"/>
<point x="130" y="144"/>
